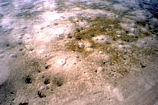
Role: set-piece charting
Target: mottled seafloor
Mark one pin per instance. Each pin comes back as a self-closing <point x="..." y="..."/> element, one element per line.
<point x="78" y="52"/>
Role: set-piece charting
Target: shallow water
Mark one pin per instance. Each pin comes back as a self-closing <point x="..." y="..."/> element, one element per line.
<point x="78" y="52"/>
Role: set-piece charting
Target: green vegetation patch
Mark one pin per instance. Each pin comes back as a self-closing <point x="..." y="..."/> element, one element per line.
<point x="98" y="26"/>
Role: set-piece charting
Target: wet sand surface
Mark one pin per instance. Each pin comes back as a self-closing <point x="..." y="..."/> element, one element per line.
<point x="77" y="52"/>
